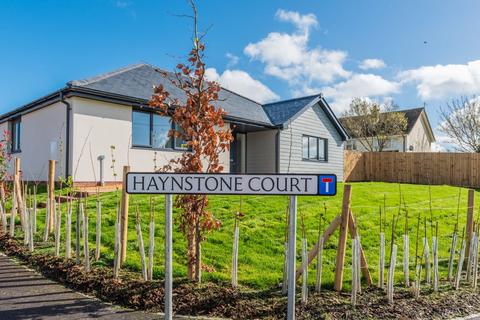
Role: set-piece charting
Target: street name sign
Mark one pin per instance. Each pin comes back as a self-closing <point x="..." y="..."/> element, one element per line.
<point x="248" y="184"/>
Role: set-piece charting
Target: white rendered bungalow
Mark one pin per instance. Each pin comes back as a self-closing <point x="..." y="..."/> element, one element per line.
<point x="78" y="124"/>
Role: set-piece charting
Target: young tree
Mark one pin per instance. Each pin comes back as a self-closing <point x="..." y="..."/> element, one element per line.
<point x="460" y="122"/>
<point x="200" y="124"/>
<point x="373" y="125"/>
<point x="5" y="159"/>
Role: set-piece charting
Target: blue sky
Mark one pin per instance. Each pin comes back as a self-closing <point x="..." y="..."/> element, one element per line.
<point x="264" y="49"/>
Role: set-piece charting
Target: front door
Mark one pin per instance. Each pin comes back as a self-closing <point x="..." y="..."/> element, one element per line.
<point x="237" y="153"/>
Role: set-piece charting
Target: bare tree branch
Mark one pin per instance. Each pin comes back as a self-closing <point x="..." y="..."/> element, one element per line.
<point x="460" y="122"/>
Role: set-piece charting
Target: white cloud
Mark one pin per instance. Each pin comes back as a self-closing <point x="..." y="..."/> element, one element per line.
<point x="302" y="22"/>
<point x="443" y="142"/>
<point x="372" y="64"/>
<point x="287" y="55"/>
<point x="242" y="83"/>
<point x="359" y="86"/>
<point x="442" y="81"/>
<point x="232" y="59"/>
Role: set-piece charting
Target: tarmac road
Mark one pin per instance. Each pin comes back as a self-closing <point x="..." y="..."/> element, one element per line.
<point x="25" y="294"/>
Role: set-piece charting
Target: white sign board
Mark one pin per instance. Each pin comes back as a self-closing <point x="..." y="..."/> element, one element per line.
<point x="199" y="183"/>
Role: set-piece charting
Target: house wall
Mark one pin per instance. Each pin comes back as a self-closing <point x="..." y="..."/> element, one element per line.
<point x="395" y="144"/>
<point x="417" y="138"/>
<point x="312" y="122"/>
<point x="261" y="151"/>
<point x="99" y="125"/>
<point x="42" y="138"/>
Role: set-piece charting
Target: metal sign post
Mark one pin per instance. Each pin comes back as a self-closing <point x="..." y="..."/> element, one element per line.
<point x="168" y="257"/>
<point x="292" y="237"/>
<point x="218" y="183"/>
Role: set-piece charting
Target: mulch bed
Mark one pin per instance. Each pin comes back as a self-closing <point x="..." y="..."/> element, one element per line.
<point x="220" y="300"/>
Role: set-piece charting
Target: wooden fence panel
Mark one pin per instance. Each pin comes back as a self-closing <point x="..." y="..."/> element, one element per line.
<point x="457" y="169"/>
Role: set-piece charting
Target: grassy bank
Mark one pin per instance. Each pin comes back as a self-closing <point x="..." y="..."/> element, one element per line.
<point x="262" y="230"/>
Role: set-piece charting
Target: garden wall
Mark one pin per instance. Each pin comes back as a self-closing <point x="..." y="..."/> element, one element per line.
<point x="457" y="169"/>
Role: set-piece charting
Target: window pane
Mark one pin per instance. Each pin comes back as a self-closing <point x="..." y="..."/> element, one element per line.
<point x="16" y="135"/>
<point x="305" y="147"/>
<point x="179" y="142"/>
<point x="312" y="148"/>
<point x="321" y="149"/>
<point x="161" y="127"/>
<point x="141" y="129"/>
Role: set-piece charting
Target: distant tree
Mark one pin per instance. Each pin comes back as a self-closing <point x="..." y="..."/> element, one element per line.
<point x="372" y="124"/>
<point x="199" y="123"/>
<point x="460" y="122"/>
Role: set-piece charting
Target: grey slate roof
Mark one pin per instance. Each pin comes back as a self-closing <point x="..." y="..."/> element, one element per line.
<point x="133" y="85"/>
<point x="138" y="80"/>
<point x="412" y="116"/>
<point x="281" y="111"/>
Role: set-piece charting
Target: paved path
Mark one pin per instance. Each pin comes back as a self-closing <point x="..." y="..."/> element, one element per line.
<point x="25" y="294"/>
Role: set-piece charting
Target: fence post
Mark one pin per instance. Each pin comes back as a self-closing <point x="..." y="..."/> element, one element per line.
<point x="124" y="216"/>
<point x="469" y="229"/>
<point x="342" y="239"/>
<point x="292" y="254"/>
<point x="51" y="193"/>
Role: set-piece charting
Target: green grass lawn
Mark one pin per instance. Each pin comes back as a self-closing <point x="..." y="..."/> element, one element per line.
<point x="262" y="230"/>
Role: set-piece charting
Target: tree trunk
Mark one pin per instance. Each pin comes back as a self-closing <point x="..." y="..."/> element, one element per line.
<point x="191" y="253"/>
<point x="2" y="191"/>
<point x="198" y="253"/>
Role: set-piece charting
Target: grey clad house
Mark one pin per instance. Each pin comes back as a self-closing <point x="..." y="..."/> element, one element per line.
<point x="108" y="116"/>
<point x="418" y="135"/>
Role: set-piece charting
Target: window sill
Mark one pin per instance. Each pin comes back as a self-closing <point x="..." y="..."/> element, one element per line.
<point x="314" y="160"/>
<point x="159" y="149"/>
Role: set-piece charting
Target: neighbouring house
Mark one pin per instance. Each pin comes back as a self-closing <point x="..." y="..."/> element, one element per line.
<point x="78" y="124"/>
<point x="418" y="136"/>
